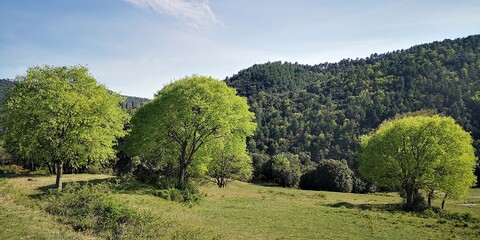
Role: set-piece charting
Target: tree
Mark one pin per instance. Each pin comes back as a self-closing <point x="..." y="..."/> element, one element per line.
<point x="229" y="160"/>
<point x="286" y="169"/>
<point x="261" y="168"/>
<point x="183" y="119"/>
<point x="330" y="175"/>
<point x="419" y="152"/>
<point x="62" y="115"/>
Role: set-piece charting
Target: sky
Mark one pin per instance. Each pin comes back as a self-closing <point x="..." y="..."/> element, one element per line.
<point x="135" y="47"/>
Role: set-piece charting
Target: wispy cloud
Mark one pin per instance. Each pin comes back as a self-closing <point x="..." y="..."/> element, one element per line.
<point x="194" y="13"/>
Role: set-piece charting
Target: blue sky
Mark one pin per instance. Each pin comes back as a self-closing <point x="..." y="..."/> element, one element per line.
<point x="135" y="47"/>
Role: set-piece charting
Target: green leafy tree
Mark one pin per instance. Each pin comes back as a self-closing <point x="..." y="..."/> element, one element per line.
<point x="286" y="169"/>
<point x="185" y="118"/>
<point x="62" y="115"/>
<point x="419" y="152"/>
<point x="229" y="160"/>
<point x="330" y="175"/>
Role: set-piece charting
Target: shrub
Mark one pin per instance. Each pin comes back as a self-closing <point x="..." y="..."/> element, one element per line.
<point x="261" y="172"/>
<point x="189" y="194"/>
<point x="13" y="169"/>
<point x="286" y="169"/>
<point x="330" y="175"/>
<point x="146" y="174"/>
<point x="92" y="209"/>
<point x="125" y="165"/>
<point x="361" y="186"/>
<point x="166" y="183"/>
<point x="419" y="203"/>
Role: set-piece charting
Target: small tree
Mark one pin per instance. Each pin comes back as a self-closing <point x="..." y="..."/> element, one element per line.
<point x="419" y="152"/>
<point x="330" y="175"/>
<point x="183" y="119"/>
<point x="286" y="169"/>
<point x="62" y="115"/>
<point x="261" y="168"/>
<point x="230" y="161"/>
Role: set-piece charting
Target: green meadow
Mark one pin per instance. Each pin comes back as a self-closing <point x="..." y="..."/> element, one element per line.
<point x="246" y="211"/>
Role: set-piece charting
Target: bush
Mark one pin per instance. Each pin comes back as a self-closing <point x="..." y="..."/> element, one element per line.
<point x="166" y="183"/>
<point x="286" y="169"/>
<point x="13" y="169"/>
<point x="146" y="174"/>
<point x="330" y="175"/>
<point x="92" y="209"/>
<point x="189" y="194"/>
<point x="261" y="172"/>
<point x="125" y="165"/>
<point x="361" y="186"/>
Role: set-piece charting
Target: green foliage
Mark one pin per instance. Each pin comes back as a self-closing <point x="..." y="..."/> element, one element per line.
<point x="419" y="152"/>
<point x="248" y="211"/>
<point x="362" y="186"/>
<point x="330" y="175"/>
<point x="12" y="169"/>
<point x="286" y="169"/>
<point x="62" y="115"/>
<point x="261" y="169"/>
<point x="90" y="208"/>
<point x="324" y="109"/>
<point x="125" y="165"/>
<point x="230" y="160"/>
<point x="93" y="209"/>
<point x="188" y="194"/>
<point x="4" y="155"/>
<point x="173" y="130"/>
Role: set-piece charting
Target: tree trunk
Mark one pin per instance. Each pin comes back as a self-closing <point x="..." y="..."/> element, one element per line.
<point x="443" y="201"/>
<point x="409" y="192"/>
<point x="183" y="166"/>
<point x="50" y="168"/>
<point x="221" y="182"/>
<point x="182" y="176"/>
<point x="430" y="197"/>
<point x="58" y="183"/>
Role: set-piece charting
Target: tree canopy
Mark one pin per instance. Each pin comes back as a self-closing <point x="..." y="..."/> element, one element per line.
<point x="62" y="115"/>
<point x="323" y="109"/>
<point x="184" y="118"/>
<point x="419" y="152"/>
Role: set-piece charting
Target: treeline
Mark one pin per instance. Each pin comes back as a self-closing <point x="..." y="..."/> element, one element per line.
<point x="318" y="112"/>
<point x="130" y="103"/>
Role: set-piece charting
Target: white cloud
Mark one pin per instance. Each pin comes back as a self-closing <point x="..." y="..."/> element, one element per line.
<point x="194" y="13"/>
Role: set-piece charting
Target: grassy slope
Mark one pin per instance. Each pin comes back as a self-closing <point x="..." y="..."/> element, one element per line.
<point x="245" y="211"/>
<point x="21" y="219"/>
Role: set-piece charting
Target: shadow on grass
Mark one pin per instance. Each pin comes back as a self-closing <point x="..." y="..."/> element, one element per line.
<point x="366" y="206"/>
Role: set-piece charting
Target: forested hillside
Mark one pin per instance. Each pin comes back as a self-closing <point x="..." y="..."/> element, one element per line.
<point x="322" y="110"/>
<point x="130" y="102"/>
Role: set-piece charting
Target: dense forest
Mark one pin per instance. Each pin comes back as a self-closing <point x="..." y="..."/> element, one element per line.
<point x="322" y="110"/>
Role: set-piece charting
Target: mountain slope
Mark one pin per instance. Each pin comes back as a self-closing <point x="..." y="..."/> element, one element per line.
<point x="322" y="109"/>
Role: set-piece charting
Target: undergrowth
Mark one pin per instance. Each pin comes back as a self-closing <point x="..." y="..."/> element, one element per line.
<point x="92" y="209"/>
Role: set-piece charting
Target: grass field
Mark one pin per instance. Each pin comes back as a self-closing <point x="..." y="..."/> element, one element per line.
<point x="246" y="211"/>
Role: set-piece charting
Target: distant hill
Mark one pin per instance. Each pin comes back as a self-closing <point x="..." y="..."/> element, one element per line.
<point x="4" y="85"/>
<point x="322" y="110"/>
<point x="130" y="102"/>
